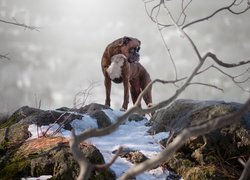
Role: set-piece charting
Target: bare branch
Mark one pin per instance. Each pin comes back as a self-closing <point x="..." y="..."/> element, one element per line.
<point x="239" y="3"/>
<point x="150" y="14"/>
<point x="167" y="47"/>
<point x="233" y="78"/>
<point x="102" y="166"/>
<point x="227" y="65"/>
<point x="5" y="56"/>
<point x="246" y="173"/>
<point x="240" y="12"/>
<point x="183" y="14"/>
<point x="228" y="8"/>
<point x="209" y="85"/>
<point x="82" y="96"/>
<point x="184" y="33"/>
<point x="16" y="23"/>
<point x="85" y="166"/>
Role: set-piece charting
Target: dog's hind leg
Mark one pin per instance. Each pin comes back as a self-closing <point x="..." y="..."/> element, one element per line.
<point x="148" y="95"/>
<point x="135" y="90"/>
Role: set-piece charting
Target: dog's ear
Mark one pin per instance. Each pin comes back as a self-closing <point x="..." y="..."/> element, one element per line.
<point x="125" y="40"/>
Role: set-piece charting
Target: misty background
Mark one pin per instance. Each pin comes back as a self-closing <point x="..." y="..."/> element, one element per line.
<point x="62" y="58"/>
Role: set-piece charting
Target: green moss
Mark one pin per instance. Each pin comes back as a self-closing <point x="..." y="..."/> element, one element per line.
<point x="203" y="173"/>
<point x="14" y="170"/>
<point x="104" y="174"/>
<point x="18" y="133"/>
<point x="12" y="120"/>
<point x="180" y="163"/>
<point x="3" y="147"/>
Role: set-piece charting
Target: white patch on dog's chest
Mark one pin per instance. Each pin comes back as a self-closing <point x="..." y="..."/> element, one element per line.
<point x="115" y="69"/>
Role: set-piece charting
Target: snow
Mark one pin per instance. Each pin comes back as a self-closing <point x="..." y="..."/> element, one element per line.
<point x="131" y="134"/>
<point x="85" y="123"/>
<point x="34" y="130"/>
<point x="44" y="177"/>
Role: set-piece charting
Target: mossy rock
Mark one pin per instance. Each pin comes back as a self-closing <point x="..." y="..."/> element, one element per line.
<point x="179" y="163"/>
<point x="50" y="156"/>
<point x="17" y="116"/>
<point x="15" y="170"/>
<point x="214" y="155"/>
<point x="20" y="157"/>
<point x="186" y="113"/>
<point x="133" y="156"/>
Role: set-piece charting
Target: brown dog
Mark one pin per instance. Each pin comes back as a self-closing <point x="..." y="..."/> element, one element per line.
<point x="120" y="64"/>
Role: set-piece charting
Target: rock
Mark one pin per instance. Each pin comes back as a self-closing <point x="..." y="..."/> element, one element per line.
<point x="102" y="119"/>
<point x="14" y="130"/>
<point x="46" y="155"/>
<point x="17" y="116"/>
<point x="50" y="156"/>
<point x="186" y="113"/>
<point x="131" y="155"/>
<point x="213" y="156"/>
<point x="136" y="117"/>
<point x="95" y="110"/>
<point x="91" y="108"/>
<point x="134" y="157"/>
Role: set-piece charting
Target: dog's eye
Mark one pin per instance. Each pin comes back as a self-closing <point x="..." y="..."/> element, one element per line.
<point x="134" y="50"/>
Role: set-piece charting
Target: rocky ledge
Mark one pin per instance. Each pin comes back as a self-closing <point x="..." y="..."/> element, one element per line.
<point x="47" y="155"/>
<point x="213" y="156"/>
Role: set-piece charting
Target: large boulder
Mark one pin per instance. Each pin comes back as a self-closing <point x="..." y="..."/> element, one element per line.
<point x="50" y="156"/>
<point x="213" y="156"/>
<point x="20" y="157"/>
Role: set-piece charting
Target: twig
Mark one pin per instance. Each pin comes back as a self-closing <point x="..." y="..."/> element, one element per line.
<point x="150" y="15"/>
<point x="183" y="12"/>
<point x="226" y="65"/>
<point x="16" y="23"/>
<point x="107" y="165"/>
<point x="239" y="3"/>
<point x="209" y="85"/>
<point x="5" y="56"/>
<point x="82" y="96"/>
<point x="233" y="78"/>
<point x="246" y="173"/>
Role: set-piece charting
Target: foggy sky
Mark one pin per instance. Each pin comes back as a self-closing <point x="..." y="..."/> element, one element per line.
<point x="63" y="57"/>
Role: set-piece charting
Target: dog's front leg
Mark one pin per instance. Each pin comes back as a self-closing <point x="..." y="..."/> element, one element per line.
<point x="107" y="83"/>
<point x="126" y="93"/>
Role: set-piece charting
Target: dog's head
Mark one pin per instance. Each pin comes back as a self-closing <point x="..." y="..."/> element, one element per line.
<point x="130" y="47"/>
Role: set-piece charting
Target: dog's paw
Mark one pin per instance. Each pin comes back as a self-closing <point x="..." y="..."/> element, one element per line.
<point x="150" y="105"/>
<point x="123" y="109"/>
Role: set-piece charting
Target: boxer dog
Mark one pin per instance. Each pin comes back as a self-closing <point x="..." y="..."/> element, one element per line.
<point x="120" y="64"/>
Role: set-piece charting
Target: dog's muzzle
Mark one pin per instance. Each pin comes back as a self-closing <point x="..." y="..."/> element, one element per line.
<point x="134" y="55"/>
